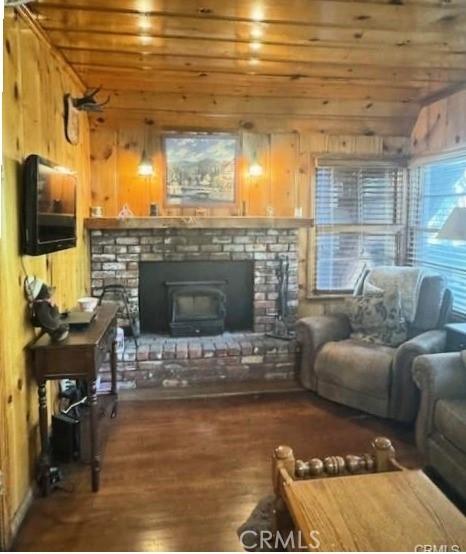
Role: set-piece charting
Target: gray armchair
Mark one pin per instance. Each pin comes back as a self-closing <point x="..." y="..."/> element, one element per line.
<point x="372" y="377"/>
<point x="441" y="422"/>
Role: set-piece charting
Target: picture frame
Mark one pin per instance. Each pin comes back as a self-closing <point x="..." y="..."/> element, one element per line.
<point x="201" y="170"/>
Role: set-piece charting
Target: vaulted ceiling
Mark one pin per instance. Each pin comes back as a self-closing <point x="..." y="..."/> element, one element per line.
<point x="334" y="66"/>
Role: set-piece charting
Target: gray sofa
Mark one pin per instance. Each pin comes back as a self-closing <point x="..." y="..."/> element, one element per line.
<point x="372" y="377"/>
<point x="441" y="422"/>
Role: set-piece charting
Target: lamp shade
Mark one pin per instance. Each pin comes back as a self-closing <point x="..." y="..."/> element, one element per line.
<point x="454" y="227"/>
<point x="145" y="167"/>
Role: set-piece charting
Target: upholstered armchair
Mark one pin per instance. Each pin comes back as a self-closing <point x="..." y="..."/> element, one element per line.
<point x="374" y="377"/>
<point x="441" y="422"/>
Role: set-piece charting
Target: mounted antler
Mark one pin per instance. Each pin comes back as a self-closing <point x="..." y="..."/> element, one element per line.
<point x="88" y="103"/>
<point x="73" y="106"/>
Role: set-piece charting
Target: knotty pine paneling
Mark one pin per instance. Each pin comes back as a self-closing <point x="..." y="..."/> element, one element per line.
<point x="35" y="81"/>
<point x="441" y="126"/>
<point x="116" y="147"/>
<point x="334" y="67"/>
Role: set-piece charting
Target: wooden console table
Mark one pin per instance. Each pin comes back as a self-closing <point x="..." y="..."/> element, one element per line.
<point x="78" y="357"/>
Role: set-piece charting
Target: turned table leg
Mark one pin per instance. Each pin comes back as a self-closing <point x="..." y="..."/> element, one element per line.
<point x="44" y="462"/>
<point x="95" y="455"/>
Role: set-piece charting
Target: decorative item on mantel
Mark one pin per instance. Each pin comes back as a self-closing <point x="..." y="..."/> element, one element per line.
<point x="153" y="209"/>
<point x="96" y="211"/>
<point x="125" y="212"/>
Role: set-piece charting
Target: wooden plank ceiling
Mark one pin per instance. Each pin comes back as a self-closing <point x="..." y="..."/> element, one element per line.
<point x="332" y="66"/>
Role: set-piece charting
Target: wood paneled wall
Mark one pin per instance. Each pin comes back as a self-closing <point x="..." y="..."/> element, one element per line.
<point x="287" y="160"/>
<point x="35" y="80"/>
<point x="441" y="126"/>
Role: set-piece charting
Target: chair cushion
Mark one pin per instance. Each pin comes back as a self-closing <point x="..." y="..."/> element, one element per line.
<point x="376" y="317"/>
<point x="450" y="420"/>
<point x="356" y="365"/>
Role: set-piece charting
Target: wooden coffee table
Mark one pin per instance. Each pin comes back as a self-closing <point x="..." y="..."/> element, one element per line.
<point x="386" y="511"/>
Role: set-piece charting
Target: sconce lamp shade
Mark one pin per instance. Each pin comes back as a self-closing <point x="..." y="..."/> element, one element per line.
<point x="454" y="227"/>
<point x="145" y="167"/>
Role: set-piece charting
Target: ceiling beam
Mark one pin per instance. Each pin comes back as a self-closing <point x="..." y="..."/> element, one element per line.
<point x="99" y="21"/>
<point x="365" y="15"/>
<point x="187" y="48"/>
<point x="293" y="70"/>
<point x="348" y="125"/>
<point x="129" y="79"/>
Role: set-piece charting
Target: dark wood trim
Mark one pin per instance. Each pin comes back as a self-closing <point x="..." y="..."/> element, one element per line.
<point x="193" y="222"/>
<point x="444" y="93"/>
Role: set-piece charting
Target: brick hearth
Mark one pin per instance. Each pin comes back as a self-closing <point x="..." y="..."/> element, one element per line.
<point x="176" y="362"/>
<point x="165" y="361"/>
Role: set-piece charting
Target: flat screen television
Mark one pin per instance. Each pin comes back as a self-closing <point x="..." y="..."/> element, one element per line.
<point x="49" y="207"/>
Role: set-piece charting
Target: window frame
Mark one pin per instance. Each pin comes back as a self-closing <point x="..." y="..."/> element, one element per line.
<point x="415" y="165"/>
<point x="398" y="230"/>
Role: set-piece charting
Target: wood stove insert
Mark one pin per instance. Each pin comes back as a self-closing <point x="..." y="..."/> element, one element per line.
<point x="197" y="308"/>
<point x="216" y="296"/>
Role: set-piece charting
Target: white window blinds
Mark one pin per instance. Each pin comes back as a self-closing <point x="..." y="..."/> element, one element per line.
<point x="358" y="215"/>
<point x="435" y="189"/>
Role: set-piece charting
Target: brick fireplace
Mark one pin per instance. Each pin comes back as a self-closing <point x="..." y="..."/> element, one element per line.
<point x="123" y="255"/>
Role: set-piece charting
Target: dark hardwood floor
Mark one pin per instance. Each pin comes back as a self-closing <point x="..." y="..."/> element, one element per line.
<point x="184" y="474"/>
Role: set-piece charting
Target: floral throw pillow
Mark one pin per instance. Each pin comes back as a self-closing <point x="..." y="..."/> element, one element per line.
<point x="377" y="318"/>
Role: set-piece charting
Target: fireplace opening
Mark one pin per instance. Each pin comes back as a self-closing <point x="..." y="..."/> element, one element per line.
<point x="192" y="298"/>
<point x="197" y="308"/>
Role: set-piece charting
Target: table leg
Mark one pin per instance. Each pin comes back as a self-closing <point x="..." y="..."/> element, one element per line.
<point x="113" y="367"/>
<point x="94" y="430"/>
<point x="44" y="462"/>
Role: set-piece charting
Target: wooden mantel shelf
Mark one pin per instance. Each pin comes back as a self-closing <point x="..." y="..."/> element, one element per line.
<point x="194" y="222"/>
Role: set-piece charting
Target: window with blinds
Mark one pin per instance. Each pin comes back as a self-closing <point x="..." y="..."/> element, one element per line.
<point x="358" y="216"/>
<point x="435" y="189"/>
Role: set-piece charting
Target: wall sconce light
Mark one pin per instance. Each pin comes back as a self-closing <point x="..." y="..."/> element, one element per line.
<point x="145" y="167"/>
<point x="255" y="169"/>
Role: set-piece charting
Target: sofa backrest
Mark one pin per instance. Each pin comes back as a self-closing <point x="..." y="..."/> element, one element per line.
<point x="434" y="302"/>
<point x="434" y="305"/>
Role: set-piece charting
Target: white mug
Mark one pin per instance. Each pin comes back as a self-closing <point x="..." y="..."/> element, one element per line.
<point x="97" y="211"/>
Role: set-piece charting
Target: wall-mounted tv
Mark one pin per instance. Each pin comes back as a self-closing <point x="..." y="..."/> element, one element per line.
<point x="49" y="207"/>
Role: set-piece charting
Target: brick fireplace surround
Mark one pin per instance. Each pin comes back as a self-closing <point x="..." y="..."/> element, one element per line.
<point x="166" y="361"/>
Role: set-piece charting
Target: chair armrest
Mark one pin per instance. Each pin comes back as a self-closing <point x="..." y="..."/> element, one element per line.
<point x="437" y="376"/>
<point x="404" y="395"/>
<point x="312" y="333"/>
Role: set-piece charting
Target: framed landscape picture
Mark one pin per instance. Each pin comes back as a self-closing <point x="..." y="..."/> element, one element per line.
<point x="200" y="169"/>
